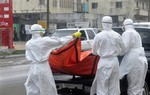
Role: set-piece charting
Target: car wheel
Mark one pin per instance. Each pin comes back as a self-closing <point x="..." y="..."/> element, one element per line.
<point x="146" y="89"/>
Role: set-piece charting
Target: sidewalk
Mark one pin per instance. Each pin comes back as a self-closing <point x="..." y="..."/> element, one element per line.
<point x="18" y="45"/>
<point x="16" y="59"/>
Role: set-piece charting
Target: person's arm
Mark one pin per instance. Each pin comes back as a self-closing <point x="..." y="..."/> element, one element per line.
<point x="64" y="40"/>
<point x="127" y="41"/>
<point x="55" y="42"/>
<point x="27" y="54"/>
<point x="95" y="45"/>
<point x="122" y="46"/>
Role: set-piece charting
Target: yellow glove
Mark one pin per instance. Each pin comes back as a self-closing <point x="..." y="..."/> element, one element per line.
<point x="77" y="34"/>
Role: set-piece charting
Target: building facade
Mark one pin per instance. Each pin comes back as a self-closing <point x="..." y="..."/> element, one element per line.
<point x="30" y="11"/>
<point x="32" y="6"/>
<point x="121" y="9"/>
<point x="61" y="12"/>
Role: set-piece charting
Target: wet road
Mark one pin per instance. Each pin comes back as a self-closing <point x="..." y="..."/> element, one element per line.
<point x="12" y="79"/>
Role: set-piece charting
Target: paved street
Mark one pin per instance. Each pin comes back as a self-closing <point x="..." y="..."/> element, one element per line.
<point x="13" y="72"/>
<point x="13" y="61"/>
<point x="12" y="79"/>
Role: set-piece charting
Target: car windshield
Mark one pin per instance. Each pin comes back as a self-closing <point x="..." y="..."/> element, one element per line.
<point x="62" y="33"/>
<point x="119" y="30"/>
<point x="96" y="30"/>
<point x="144" y="32"/>
<point x="145" y="36"/>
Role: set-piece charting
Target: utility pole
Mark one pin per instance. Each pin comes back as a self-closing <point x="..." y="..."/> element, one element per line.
<point x="148" y="10"/>
<point x="40" y="12"/>
<point x="47" y="31"/>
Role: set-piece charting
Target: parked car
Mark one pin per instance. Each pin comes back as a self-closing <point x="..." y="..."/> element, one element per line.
<point x="87" y="36"/>
<point x="142" y="24"/>
<point x="145" y="35"/>
<point x="96" y="30"/>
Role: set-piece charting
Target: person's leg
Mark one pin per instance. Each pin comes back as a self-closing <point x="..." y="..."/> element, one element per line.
<point x="114" y="83"/>
<point x="94" y="86"/>
<point x="103" y="75"/>
<point x="46" y="81"/>
<point x="31" y="87"/>
<point x="136" y="78"/>
<point x="102" y="82"/>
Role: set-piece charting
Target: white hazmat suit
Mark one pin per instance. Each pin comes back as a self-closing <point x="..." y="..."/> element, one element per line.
<point x="134" y="63"/>
<point x="40" y="80"/>
<point x="108" y="44"/>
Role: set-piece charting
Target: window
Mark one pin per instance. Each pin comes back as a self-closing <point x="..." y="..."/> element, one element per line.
<point x="137" y="4"/>
<point x="83" y="36"/>
<point x="70" y="4"/>
<point x="62" y="33"/>
<point x="111" y="3"/>
<point x="61" y="3"/>
<point x="55" y="3"/>
<point x="41" y="2"/>
<point x="119" y="30"/>
<point x="94" y="5"/>
<point x="145" y="35"/>
<point x="90" y="34"/>
<point x="144" y="32"/>
<point x="66" y="3"/>
<point x="118" y="4"/>
<point x="142" y="5"/>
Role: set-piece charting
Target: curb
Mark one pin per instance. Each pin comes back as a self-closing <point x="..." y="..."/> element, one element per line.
<point x="12" y="56"/>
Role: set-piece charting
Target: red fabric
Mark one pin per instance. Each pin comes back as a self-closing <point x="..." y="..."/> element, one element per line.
<point x="71" y="60"/>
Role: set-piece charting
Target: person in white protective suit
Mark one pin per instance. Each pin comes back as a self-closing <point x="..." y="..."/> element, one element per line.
<point x="40" y="80"/>
<point x="134" y="63"/>
<point x="108" y="44"/>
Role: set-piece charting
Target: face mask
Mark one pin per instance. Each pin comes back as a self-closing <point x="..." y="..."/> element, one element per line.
<point x="41" y="33"/>
<point x="123" y="28"/>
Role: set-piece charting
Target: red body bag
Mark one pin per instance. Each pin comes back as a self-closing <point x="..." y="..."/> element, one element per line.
<point x="70" y="60"/>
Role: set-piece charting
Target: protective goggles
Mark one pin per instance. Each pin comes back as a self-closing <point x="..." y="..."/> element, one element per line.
<point x="123" y="27"/>
<point x="107" y="22"/>
<point x="43" y="31"/>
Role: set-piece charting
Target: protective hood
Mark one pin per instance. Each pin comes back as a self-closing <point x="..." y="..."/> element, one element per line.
<point x="36" y="30"/>
<point x="107" y="23"/>
<point x="128" y="24"/>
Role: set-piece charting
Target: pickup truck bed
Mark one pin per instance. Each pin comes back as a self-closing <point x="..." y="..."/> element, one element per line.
<point x="72" y="85"/>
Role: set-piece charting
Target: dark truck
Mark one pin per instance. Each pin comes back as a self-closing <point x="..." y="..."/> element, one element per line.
<point x="80" y="85"/>
<point x="145" y="35"/>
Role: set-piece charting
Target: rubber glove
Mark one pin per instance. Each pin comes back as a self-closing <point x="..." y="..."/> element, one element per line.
<point x="77" y="34"/>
